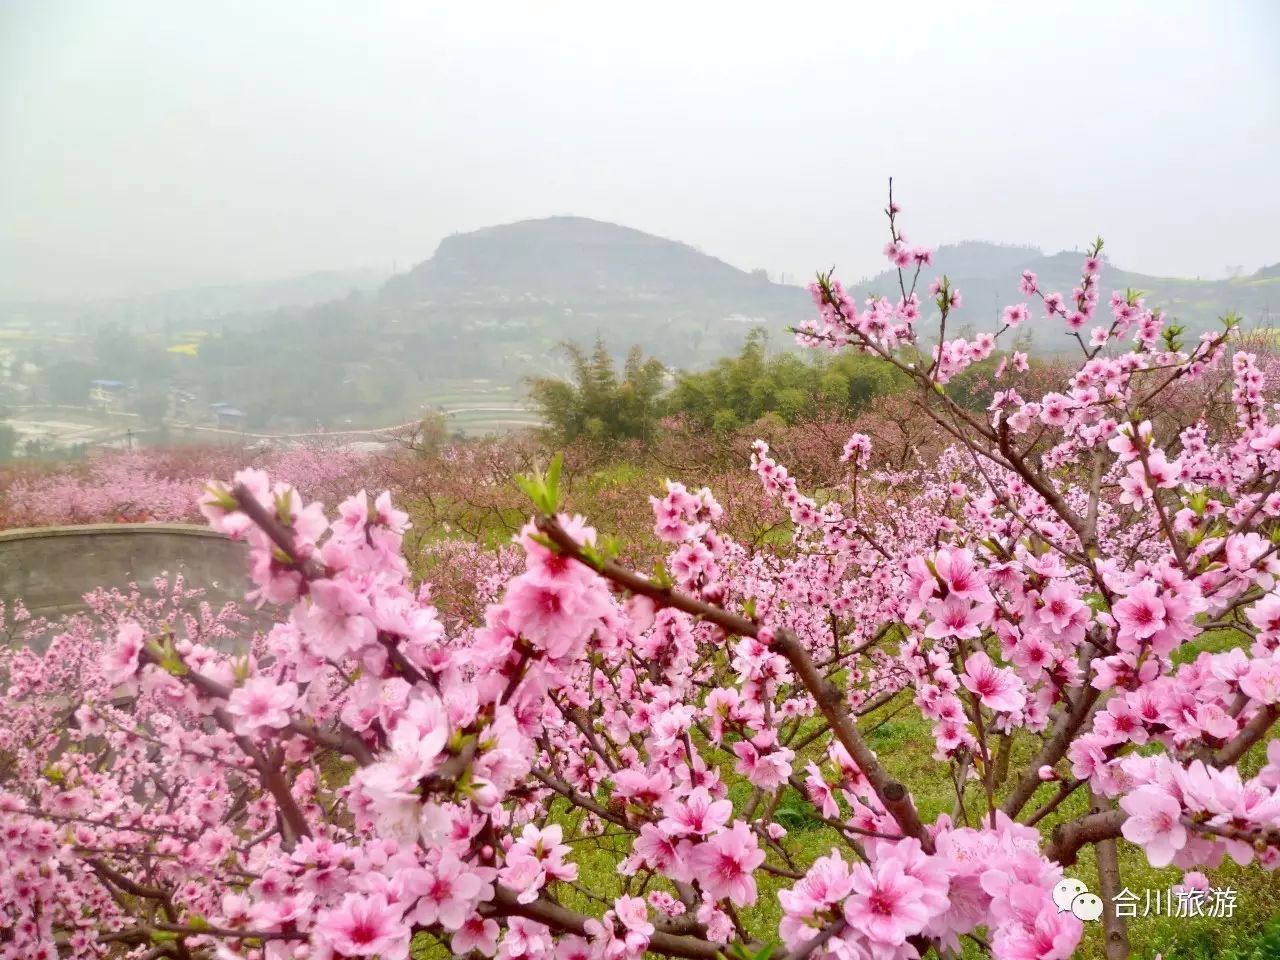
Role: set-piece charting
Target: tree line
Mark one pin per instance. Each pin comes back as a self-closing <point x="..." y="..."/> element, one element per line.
<point x="598" y="401"/>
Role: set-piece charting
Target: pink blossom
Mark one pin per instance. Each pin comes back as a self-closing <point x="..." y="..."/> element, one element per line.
<point x="1154" y="823"/>
<point x="365" y="926"/>
<point x="996" y="688"/>
<point x="1139" y="615"/>
<point x="1015" y="315"/>
<point x="698" y="815"/>
<point x="477" y="933"/>
<point x="536" y="858"/>
<point x="447" y="893"/>
<point x="633" y="912"/>
<point x="957" y="617"/>
<point x="887" y="904"/>
<point x="1262" y="682"/>
<point x="725" y="863"/>
<point x="262" y="703"/>
<point x="121" y="661"/>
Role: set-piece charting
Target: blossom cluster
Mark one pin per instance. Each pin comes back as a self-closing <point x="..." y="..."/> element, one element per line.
<point x="367" y="773"/>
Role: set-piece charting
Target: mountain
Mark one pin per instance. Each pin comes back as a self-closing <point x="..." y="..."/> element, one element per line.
<point x="461" y="329"/>
<point x="303" y="290"/>
<point x="987" y="276"/>
<point x="528" y="286"/>
<point x="543" y="281"/>
<point x="192" y="306"/>
<point x="575" y="260"/>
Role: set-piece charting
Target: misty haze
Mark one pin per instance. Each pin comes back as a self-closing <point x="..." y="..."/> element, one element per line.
<point x="582" y="481"/>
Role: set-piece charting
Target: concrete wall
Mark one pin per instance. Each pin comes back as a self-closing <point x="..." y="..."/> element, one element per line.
<point x="51" y="568"/>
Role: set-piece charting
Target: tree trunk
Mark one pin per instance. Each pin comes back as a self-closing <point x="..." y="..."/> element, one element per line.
<point x="1115" y="931"/>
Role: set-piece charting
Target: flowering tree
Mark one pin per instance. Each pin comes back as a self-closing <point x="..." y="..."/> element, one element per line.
<point x="164" y="484"/>
<point x="364" y="778"/>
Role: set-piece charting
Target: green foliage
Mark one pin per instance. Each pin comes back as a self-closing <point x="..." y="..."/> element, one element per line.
<point x="740" y="390"/>
<point x="595" y="403"/>
<point x="796" y="812"/>
<point x="1220" y="942"/>
<point x="974" y="387"/>
<point x="544" y="488"/>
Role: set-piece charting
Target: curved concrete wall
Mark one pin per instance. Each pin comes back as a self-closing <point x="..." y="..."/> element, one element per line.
<point x="51" y="568"/>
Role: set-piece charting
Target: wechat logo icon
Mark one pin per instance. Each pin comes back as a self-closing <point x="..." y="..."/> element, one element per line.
<point x="1072" y="895"/>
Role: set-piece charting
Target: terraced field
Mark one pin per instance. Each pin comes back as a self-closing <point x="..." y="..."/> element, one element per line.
<point x="480" y="407"/>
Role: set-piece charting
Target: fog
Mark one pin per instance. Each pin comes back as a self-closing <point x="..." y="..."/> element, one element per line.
<point x="149" y="145"/>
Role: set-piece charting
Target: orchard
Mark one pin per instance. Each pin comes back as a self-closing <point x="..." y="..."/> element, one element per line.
<point x="377" y="778"/>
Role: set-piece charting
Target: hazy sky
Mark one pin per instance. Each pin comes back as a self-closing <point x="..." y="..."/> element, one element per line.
<point x="183" y="141"/>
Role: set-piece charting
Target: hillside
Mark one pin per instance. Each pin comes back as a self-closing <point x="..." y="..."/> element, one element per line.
<point x="190" y="306"/>
<point x="987" y="276"/>
<point x="540" y="282"/>
<point x="543" y="281"/>
<point x="576" y="260"/>
<point x="463" y="329"/>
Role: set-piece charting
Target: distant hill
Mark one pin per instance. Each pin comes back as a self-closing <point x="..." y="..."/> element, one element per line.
<point x="579" y="261"/>
<point x="40" y="274"/>
<point x="303" y="290"/>
<point x="199" y="304"/>
<point x="525" y="287"/>
<point x="543" y="281"/>
<point x="987" y="276"/>
<point x="489" y="308"/>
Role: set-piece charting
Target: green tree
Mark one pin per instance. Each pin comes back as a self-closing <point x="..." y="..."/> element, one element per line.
<point x="741" y="389"/>
<point x="596" y="402"/>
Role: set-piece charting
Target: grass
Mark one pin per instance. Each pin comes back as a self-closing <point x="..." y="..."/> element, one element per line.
<point x="904" y="745"/>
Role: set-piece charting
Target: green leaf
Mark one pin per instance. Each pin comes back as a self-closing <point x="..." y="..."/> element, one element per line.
<point x="661" y="578"/>
<point x="608" y="545"/>
<point x="284" y="506"/>
<point x="544" y="488"/>
<point x="533" y="487"/>
<point x="545" y="541"/>
<point x="553" y="483"/>
<point x="222" y="497"/>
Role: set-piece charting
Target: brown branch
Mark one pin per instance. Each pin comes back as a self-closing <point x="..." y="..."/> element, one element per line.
<point x="346" y="741"/>
<point x="563" y="920"/>
<point x="893" y="795"/>
<point x="125" y="883"/>
<point x="1067" y="839"/>
<point x="1069" y="723"/>
<point x="831" y="930"/>
<point x="1253" y="731"/>
<point x="309" y="567"/>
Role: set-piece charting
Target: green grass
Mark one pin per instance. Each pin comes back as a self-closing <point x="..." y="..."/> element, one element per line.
<point x="904" y="745"/>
